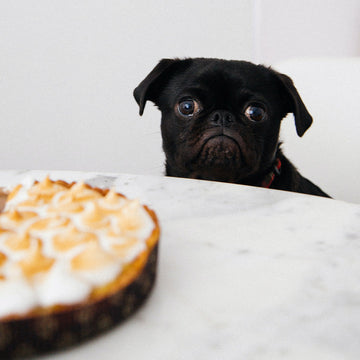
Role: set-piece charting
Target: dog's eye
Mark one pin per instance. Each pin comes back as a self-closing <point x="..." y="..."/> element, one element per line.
<point x="255" y="113"/>
<point x="188" y="107"/>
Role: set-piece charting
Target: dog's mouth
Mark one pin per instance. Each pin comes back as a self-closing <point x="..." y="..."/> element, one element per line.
<point x="219" y="155"/>
<point x="220" y="144"/>
<point x="220" y="147"/>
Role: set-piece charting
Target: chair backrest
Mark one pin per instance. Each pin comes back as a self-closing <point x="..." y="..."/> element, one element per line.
<point x="329" y="152"/>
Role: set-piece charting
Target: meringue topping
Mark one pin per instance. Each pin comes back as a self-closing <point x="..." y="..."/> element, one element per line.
<point x="2" y="258"/>
<point x="70" y="238"/>
<point x="18" y="241"/>
<point x="35" y="262"/>
<point x="63" y="240"/>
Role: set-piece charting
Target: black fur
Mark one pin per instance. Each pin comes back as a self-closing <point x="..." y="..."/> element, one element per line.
<point x="220" y="141"/>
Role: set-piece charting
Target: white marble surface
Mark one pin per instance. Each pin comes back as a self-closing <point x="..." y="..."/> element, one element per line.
<point x="244" y="273"/>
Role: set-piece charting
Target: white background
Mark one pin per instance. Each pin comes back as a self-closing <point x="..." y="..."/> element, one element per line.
<point x="68" y="68"/>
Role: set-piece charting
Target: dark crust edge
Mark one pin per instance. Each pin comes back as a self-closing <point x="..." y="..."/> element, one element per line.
<point x="50" y="332"/>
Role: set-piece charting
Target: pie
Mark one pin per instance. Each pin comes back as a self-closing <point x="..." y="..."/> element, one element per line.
<point x="74" y="260"/>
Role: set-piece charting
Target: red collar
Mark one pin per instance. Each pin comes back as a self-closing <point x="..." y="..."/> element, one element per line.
<point x="269" y="178"/>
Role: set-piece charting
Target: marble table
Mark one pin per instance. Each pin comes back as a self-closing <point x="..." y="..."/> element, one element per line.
<point x="243" y="273"/>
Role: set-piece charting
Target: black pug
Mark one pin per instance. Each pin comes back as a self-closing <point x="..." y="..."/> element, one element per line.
<point x="221" y="121"/>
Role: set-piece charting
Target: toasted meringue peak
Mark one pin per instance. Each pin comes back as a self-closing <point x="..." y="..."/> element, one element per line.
<point x="36" y="262"/>
<point x="33" y="201"/>
<point x="3" y="258"/>
<point x="66" y="203"/>
<point x="71" y="238"/>
<point x="94" y="216"/>
<point x="81" y="192"/>
<point x="49" y="223"/>
<point x="3" y="231"/>
<point x="114" y="232"/>
<point x="45" y="189"/>
<point x="121" y="248"/>
<point x="112" y="200"/>
<point x="92" y="258"/>
<point x="14" y="192"/>
<point x="112" y="197"/>
<point x="18" y="241"/>
<point x="14" y="218"/>
<point x="46" y="183"/>
<point x="130" y="218"/>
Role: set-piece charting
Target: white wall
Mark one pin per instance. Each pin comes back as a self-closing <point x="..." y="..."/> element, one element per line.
<point x="68" y="68"/>
<point x="329" y="152"/>
<point x="307" y="28"/>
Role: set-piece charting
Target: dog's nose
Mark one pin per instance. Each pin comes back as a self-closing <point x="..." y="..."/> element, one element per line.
<point x="221" y="118"/>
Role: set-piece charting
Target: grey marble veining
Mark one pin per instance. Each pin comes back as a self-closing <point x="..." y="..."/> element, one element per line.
<point x="244" y="273"/>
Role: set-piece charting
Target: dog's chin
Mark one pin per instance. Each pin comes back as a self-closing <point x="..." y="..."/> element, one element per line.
<point x="218" y="159"/>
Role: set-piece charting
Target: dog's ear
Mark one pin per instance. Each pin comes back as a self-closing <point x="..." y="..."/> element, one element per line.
<point x="151" y="86"/>
<point x="303" y="119"/>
